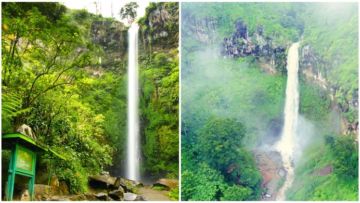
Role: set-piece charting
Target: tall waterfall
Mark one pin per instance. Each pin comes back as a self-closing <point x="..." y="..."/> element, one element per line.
<point x="133" y="139"/>
<point x="286" y="143"/>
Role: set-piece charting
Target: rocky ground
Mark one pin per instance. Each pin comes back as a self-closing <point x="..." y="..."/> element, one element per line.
<point x="270" y="166"/>
<point x="107" y="188"/>
<point x="150" y="194"/>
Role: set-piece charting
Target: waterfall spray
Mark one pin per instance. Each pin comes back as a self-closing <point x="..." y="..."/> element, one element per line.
<point x="286" y="143"/>
<point x="133" y="139"/>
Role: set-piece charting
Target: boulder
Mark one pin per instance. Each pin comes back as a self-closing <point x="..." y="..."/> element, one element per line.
<point x="117" y="194"/>
<point x="282" y="172"/>
<point x="43" y="191"/>
<point x="80" y="197"/>
<point x="25" y="196"/>
<point x="90" y="197"/>
<point x="59" y="198"/>
<point x="128" y="185"/>
<point x="139" y="198"/>
<point x="101" y="181"/>
<point x="54" y="182"/>
<point x="85" y="197"/>
<point x="128" y="196"/>
<point x="101" y="196"/>
<point x="167" y="183"/>
<point x="117" y="182"/>
<point x="63" y="188"/>
<point x="26" y="130"/>
<point x="105" y="173"/>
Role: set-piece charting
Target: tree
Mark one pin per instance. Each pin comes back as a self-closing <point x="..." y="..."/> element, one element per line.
<point x="226" y="171"/>
<point x="345" y="153"/>
<point x="129" y="11"/>
<point x="159" y="112"/>
<point x="205" y="184"/>
<point x="220" y="139"/>
<point x="41" y="52"/>
<point x="43" y="83"/>
<point x="236" y="193"/>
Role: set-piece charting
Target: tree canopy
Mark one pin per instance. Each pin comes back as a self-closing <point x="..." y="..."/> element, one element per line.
<point x="129" y="11"/>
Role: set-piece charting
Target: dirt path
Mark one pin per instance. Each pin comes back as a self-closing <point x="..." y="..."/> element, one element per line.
<point x="150" y="194"/>
<point x="324" y="171"/>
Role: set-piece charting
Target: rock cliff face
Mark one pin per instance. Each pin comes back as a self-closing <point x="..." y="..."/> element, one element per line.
<point x="271" y="57"/>
<point x="240" y="44"/>
<point x="316" y="70"/>
<point x="160" y="25"/>
<point x="111" y="36"/>
<point x="313" y="67"/>
<point x="202" y="29"/>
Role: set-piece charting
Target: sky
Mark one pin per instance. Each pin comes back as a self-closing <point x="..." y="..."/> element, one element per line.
<point x="107" y="8"/>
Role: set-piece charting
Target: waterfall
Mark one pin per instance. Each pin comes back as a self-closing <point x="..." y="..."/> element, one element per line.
<point x="286" y="144"/>
<point x="133" y="139"/>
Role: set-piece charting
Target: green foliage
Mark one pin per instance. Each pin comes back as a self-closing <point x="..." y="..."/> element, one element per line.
<point x="341" y="154"/>
<point x="75" y="176"/>
<point x="232" y="193"/>
<point x="76" y="104"/>
<point x="238" y="89"/>
<point x="331" y="30"/>
<point x="159" y="96"/>
<point x="201" y="182"/>
<point x="220" y="99"/>
<point x="204" y="184"/>
<point x="52" y="11"/>
<point x="11" y="108"/>
<point x="228" y="88"/>
<point x="216" y="167"/>
<point x="314" y="102"/>
<point x="280" y="21"/>
<point x="345" y="153"/>
<point x="162" y="35"/>
<point x="45" y="50"/>
<point x="129" y="11"/>
<point x="174" y="194"/>
<point x="159" y="111"/>
<point x="219" y="140"/>
<point x="160" y="188"/>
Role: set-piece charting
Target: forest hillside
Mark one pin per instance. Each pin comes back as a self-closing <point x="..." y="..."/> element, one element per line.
<point x="233" y="96"/>
<point x="65" y="75"/>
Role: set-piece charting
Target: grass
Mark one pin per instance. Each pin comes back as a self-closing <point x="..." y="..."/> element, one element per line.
<point x="159" y="188"/>
<point x="310" y="186"/>
<point x="174" y="194"/>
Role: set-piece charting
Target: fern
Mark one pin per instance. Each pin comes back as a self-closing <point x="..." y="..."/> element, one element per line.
<point x="11" y="108"/>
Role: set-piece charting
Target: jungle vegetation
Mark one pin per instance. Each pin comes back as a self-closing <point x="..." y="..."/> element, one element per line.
<point x="231" y="105"/>
<point x="64" y="74"/>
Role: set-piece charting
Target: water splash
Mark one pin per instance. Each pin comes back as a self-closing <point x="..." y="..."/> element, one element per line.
<point x="286" y="144"/>
<point x="133" y="139"/>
